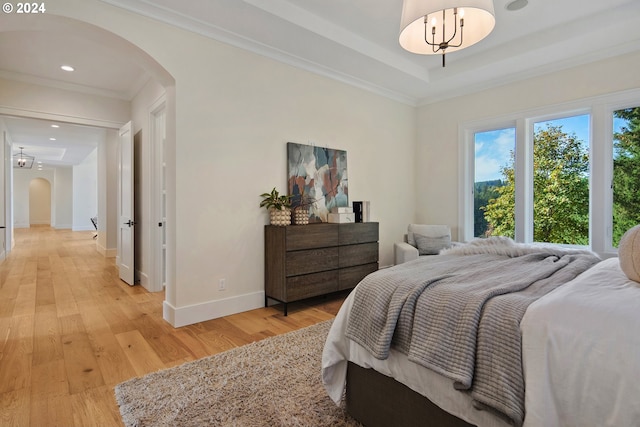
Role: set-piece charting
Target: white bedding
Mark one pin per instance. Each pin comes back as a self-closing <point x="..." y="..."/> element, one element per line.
<point x="581" y="352"/>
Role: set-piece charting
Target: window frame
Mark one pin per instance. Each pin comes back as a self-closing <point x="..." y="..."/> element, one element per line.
<point x="472" y="170"/>
<point x="601" y="110"/>
<point x="532" y="121"/>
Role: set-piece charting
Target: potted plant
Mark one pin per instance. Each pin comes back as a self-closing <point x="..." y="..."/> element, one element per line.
<point x="278" y="205"/>
<point x="301" y="204"/>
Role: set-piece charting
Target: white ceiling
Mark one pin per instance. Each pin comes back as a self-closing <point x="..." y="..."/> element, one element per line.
<point x="357" y="40"/>
<point x="70" y="146"/>
<point x="353" y="41"/>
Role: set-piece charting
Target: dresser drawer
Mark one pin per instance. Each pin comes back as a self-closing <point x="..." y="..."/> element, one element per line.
<point x="349" y="277"/>
<point x="311" y="236"/>
<point x="364" y="253"/>
<point x="311" y="261"/>
<point x="311" y="285"/>
<point x="359" y="232"/>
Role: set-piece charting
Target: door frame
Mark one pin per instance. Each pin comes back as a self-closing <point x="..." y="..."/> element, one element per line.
<point x="125" y="259"/>
<point x="7" y="196"/>
<point x="53" y="117"/>
<point x="169" y="96"/>
<point x="158" y="199"/>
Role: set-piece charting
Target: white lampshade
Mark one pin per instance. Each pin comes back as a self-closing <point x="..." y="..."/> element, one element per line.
<point x="479" y="21"/>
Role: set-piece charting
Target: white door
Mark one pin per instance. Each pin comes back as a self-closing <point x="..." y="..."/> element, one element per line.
<point x="125" y="206"/>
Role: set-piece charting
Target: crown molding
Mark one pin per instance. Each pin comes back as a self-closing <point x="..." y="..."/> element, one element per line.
<point x="56" y="84"/>
<point x="206" y="29"/>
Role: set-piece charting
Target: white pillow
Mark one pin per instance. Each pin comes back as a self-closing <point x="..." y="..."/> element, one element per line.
<point x="629" y="253"/>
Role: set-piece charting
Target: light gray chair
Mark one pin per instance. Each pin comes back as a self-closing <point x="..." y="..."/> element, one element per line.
<point x="422" y="239"/>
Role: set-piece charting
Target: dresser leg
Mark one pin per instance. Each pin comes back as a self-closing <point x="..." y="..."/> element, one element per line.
<point x="285" y="308"/>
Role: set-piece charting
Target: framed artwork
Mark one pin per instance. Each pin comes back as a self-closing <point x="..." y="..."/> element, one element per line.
<point x="317" y="179"/>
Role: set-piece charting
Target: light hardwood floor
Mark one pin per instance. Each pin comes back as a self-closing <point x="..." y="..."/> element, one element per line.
<point x="70" y="331"/>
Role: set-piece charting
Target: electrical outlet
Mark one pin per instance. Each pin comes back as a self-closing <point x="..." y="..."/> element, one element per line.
<point x="222" y="284"/>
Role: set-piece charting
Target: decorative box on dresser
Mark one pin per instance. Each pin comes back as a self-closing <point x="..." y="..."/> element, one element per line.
<point x="305" y="261"/>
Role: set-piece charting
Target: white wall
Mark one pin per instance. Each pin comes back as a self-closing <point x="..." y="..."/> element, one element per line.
<point x="73" y="196"/>
<point x="21" y="181"/>
<point x="234" y="113"/>
<point x="106" y="242"/>
<point x="85" y="192"/>
<point x="63" y="197"/>
<point x="39" y="202"/>
<point x="437" y="149"/>
<point x="61" y="181"/>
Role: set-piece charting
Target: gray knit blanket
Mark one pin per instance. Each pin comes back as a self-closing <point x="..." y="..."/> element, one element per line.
<point x="459" y="314"/>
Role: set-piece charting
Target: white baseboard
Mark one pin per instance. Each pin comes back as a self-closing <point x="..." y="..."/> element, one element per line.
<point x="143" y="279"/>
<point x="183" y="316"/>
<point x="83" y="228"/>
<point x="107" y="253"/>
<point x="63" y="227"/>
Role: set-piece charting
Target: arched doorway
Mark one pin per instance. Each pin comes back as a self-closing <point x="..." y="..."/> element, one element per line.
<point x="73" y="112"/>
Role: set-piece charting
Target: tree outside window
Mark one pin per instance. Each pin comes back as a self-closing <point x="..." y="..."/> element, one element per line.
<point x="493" y="149"/>
<point x="560" y="185"/>
<point x="626" y="171"/>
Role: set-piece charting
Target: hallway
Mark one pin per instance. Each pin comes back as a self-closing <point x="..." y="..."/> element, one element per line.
<point x="70" y="331"/>
<point x="63" y="317"/>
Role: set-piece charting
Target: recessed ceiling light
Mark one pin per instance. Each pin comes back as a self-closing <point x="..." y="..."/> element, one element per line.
<point x="55" y="126"/>
<point x="516" y="5"/>
<point x="52" y="139"/>
<point x="67" y="68"/>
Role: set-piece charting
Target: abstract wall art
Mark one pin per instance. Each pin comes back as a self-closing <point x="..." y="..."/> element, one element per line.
<point x="317" y="178"/>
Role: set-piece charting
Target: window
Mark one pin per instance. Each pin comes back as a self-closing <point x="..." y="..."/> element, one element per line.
<point x="558" y="181"/>
<point x="626" y="171"/>
<point x="561" y="180"/>
<point x="494" y="157"/>
<point x="569" y="174"/>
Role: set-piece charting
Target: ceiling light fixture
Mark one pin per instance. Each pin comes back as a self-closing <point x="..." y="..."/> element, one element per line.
<point x="432" y="27"/>
<point x="67" y="68"/>
<point x="23" y="161"/>
<point x="55" y="126"/>
<point x="52" y="139"/>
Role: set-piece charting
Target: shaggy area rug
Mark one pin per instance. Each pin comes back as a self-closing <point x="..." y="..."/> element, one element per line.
<point x="272" y="382"/>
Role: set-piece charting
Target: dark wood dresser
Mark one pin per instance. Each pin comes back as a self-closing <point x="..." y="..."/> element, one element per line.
<point x="303" y="261"/>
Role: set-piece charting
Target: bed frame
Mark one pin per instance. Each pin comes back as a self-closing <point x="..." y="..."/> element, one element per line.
<point x="376" y="400"/>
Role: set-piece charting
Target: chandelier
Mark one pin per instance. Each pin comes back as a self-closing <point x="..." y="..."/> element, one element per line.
<point x="23" y="161"/>
<point x="442" y="26"/>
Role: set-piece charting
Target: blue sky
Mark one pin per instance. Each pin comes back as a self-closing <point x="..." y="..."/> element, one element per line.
<point x="492" y="152"/>
<point x="493" y="148"/>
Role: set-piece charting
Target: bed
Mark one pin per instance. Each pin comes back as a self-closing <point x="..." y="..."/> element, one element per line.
<point x="561" y="321"/>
